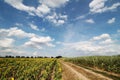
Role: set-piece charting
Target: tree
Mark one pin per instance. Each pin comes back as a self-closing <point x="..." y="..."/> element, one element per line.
<point x="58" y="56"/>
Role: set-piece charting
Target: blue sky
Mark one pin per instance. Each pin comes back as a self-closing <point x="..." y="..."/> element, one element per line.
<point x="59" y="27"/>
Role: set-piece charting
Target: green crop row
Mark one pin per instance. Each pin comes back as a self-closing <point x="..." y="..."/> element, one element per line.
<point x="29" y="69"/>
<point x="58" y="71"/>
<point x="107" y="63"/>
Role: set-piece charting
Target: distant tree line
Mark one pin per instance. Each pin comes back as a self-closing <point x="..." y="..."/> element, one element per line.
<point x="9" y="56"/>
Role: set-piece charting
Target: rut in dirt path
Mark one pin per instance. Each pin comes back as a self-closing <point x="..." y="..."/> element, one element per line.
<point x="70" y="74"/>
<point x="74" y="72"/>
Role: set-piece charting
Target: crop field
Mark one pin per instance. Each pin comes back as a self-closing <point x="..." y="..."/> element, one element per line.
<point x="105" y="63"/>
<point x="30" y="69"/>
<point x="60" y="69"/>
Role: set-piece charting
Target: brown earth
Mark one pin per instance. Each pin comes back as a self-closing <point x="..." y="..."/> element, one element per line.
<point x="74" y="72"/>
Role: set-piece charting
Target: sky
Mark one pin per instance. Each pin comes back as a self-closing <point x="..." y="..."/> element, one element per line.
<point x="69" y="28"/>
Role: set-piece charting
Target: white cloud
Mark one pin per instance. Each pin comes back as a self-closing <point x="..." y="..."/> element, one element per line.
<point x="98" y="6"/>
<point x="39" y="42"/>
<point x="90" y="21"/>
<point x="15" y="51"/>
<point x="27" y="44"/>
<point x="53" y="3"/>
<point x="118" y="31"/>
<point x="116" y="36"/>
<point x="34" y="27"/>
<point x="7" y="47"/>
<point x="35" y="53"/>
<point x="41" y="39"/>
<point x="18" y="4"/>
<point x="36" y="41"/>
<point x="113" y="7"/>
<point x="101" y="37"/>
<point x="107" y="41"/>
<point x="80" y="17"/>
<point x="18" y="24"/>
<point x="6" y="42"/>
<point x="57" y="19"/>
<point x="63" y="16"/>
<point x="60" y="22"/>
<point x="58" y="42"/>
<point x="44" y="9"/>
<point x="15" y="32"/>
<point x="98" y="45"/>
<point x="110" y="21"/>
<point x="85" y="46"/>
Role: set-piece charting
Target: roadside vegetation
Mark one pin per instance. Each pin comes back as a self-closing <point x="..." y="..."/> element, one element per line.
<point x="105" y="63"/>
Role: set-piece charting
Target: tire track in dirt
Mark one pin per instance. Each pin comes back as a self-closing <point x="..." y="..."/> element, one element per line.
<point x="74" y="72"/>
<point x="70" y="74"/>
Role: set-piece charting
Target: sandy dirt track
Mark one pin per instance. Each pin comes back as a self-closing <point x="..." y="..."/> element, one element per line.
<point x="74" y="72"/>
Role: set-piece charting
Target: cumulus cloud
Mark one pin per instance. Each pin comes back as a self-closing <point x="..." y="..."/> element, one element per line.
<point x="103" y="36"/>
<point x="83" y="46"/>
<point x="91" y="21"/>
<point x="98" y="45"/>
<point x="18" y="24"/>
<point x="34" y="27"/>
<point x="38" y="42"/>
<point x="53" y="3"/>
<point x="15" y="32"/>
<point x="44" y="9"/>
<point x="18" y="4"/>
<point x="6" y="42"/>
<point x="117" y="36"/>
<point x="98" y="6"/>
<point x="57" y="19"/>
<point x="110" y="21"/>
<point x="107" y="41"/>
<point x="91" y="48"/>
<point x="8" y="37"/>
<point x="113" y="7"/>
<point x="103" y="39"/>
<point x="13" y="51"/>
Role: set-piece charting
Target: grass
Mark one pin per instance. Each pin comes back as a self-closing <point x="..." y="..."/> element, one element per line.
<point x="110" y="64"/>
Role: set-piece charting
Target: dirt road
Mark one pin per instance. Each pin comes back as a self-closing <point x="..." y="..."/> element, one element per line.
<point x="74" y="72"/>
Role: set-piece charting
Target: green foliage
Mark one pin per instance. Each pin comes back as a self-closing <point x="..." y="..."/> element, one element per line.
<point x="107" y="63"/>
<point x="58" y="71"/>
<point x="29" y="69"/>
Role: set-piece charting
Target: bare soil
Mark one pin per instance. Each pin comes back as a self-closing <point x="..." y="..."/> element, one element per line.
<point x="74" y="72"/>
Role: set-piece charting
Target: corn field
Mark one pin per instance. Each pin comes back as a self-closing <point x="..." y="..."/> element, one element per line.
<point x="106" y="63"/>
<point x="30" y="69"/>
